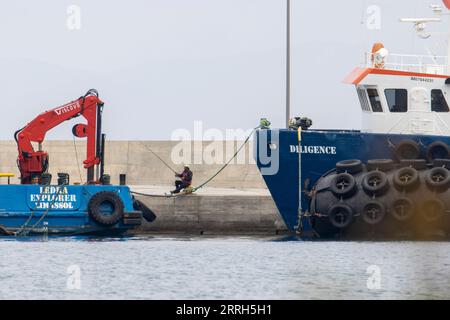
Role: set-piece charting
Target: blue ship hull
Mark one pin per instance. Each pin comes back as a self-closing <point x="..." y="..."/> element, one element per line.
<point x="277" y="156"/>
<point x="61" y="210"/>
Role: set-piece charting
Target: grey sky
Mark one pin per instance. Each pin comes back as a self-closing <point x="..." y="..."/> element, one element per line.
<point x="161" y="64"/>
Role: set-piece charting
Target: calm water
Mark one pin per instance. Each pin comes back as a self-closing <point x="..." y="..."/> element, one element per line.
<point x="221" y="268"/>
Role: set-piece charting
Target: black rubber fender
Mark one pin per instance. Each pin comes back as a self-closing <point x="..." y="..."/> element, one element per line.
<point x="438" y="178"/>
<point x="343" y="185"/>
<point x="95" y="210"/>
<point x="407" y="149"/>
<point x="419" y="164"/>
<point x="349" y="166"/>
<point x="402" y="209"/>
<point x="375" y="182"/>
<point x="384" y="165"/>
<point x="406" y="178"/>
<point x="432" y="210"/>
<point x="438" y="150"/>
<point x="147" y="213"/>
<point x="340" y="215"/>
<point x="443" y="163"/>
<point x="373" y="212"/>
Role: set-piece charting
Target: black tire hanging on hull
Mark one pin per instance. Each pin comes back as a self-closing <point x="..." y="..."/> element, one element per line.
<point x="340" y="215"/>
<point x="432" y="210"/>
<point x="418" y="164"/>
<point x="343" y="185"/>
<point x="384" y="165"/>
<point x="443" y="163"/>
<point x="349" y="166"/>
<point x="406" y="179"/>
<point x="373" y="212"/>
<point x="375" y="183"/>
<point x="110" y="199"/>
<point x="438" y="179"/>
<point x="438" y="150"/>
<point x="407" y="149"/>
<point x="402" y="209"/>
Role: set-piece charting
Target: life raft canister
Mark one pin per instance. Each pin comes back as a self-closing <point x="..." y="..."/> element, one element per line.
<point x="106" y="208"/>
<point x="378" y="56"/>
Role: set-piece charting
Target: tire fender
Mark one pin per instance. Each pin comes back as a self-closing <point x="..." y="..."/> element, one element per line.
<point x="373" y="212"/>
<point x="406" y="178"/>
<point x="340" y="215"/>
<point x="402" y="209"/>
<point x="407" y="149"/>
<point x="375" y="183"/>
<point x="343" y="185"/>
<point x="438" y="150"/>
<point x="438" y="178"/>
<point x="112" y="200"/>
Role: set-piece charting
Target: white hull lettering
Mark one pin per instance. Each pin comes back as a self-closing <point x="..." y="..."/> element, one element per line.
<point x="313" y="149"/>
<point x="53" y="197"/>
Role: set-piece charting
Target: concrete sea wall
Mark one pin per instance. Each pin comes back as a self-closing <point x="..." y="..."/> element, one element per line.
<point x="143" y="168"/>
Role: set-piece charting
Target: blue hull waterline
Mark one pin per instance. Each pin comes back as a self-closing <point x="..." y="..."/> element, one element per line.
<point x="280" y="157"/>
<point x="65" y="210"/>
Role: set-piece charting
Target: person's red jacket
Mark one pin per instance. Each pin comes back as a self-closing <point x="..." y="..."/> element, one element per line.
<point x="186" y="176"/>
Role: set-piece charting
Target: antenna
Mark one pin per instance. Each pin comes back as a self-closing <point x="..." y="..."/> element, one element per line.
<point x="420" y="25"/>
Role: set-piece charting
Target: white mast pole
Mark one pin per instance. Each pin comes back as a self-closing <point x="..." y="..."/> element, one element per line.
<point x="288" y="62"/>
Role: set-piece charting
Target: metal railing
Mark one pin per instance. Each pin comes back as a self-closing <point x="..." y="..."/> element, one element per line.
<point x="412" y="63"/>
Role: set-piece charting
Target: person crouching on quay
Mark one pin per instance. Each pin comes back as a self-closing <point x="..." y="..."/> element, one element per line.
<point x="185" y="180"/>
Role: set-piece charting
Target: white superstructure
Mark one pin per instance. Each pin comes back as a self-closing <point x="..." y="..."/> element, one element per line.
<point x="405" y="94"/>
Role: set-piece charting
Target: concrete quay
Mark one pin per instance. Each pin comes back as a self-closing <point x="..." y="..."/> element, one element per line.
<point x="211" y="211"/>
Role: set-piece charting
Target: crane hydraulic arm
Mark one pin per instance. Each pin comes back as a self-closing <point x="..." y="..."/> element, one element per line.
<point x="34" y="163"/>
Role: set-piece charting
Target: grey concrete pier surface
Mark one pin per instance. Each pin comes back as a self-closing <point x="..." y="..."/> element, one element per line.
<point x="212" y="211"/>
<point x="235" y="202"/>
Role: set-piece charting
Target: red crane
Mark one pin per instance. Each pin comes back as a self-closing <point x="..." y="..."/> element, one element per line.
<point x="34" y="163"/>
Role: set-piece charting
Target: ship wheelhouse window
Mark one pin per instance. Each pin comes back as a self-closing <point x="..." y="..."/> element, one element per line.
<point x="438" y="103"/>
<point x="397" y="99"/>
<point x="363" y="99"/>
<point x="374" y="99"/>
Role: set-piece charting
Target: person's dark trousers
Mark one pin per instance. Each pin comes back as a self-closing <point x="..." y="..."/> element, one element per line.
<point x="179" y="185"/>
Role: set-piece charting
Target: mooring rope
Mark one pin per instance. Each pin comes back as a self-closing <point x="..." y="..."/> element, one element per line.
<point x="194" y="189"/>
<point x="25" y="224"/>
<point x="150" y="195"/>
<point x="48" y="209"/>
<point x="227" y="163"/>
<point x="23" y="229"/>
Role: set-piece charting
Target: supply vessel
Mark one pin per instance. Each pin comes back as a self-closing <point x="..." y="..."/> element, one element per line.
<point x="390" y="179"/>
<point x="38" y="206"/>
